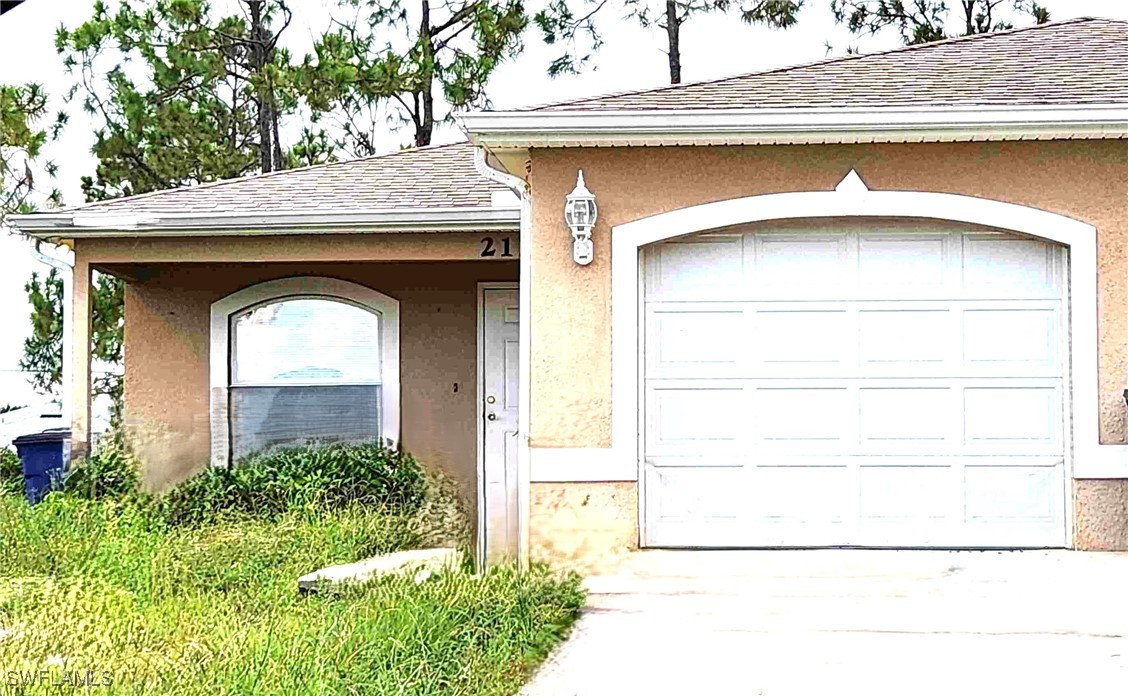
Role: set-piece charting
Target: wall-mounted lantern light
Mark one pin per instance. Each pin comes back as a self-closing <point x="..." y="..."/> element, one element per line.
<point x="580" y="213"/>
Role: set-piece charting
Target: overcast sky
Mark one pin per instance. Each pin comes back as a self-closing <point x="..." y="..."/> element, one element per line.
<point x="632" y="58"/>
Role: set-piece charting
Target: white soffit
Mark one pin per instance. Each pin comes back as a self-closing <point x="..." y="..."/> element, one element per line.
<point x="777" y="126"/>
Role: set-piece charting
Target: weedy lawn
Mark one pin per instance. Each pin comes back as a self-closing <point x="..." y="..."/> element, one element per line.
<point x="113" y="587"/>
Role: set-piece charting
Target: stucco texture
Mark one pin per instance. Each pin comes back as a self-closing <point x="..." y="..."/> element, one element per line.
<point x="167" y="343"/>
<point x="571" y="383"/>
<point x="1101" y="515"/>
<point x="583" y="526"/>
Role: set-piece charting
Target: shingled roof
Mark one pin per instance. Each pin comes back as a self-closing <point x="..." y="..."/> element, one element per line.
<point x="1082" y="61"/>
<point x="429" y="189"/>
<point x="440" y="176"/>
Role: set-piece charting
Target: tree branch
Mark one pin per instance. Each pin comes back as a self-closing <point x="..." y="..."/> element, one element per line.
<point x="456" y="18"/>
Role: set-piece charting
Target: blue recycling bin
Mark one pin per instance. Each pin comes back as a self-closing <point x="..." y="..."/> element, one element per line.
<point x="44" y="457"/>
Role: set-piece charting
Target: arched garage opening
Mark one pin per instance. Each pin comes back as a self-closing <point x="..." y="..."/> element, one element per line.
<point x="854" y="368"/>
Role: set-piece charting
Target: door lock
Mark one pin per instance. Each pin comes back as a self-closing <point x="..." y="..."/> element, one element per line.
<point x="491" y="417"/>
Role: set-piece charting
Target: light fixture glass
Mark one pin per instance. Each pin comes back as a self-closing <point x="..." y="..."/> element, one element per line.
<point x="580" y="213"/>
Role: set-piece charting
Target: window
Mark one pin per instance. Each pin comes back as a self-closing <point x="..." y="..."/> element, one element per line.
<point x="303" y="360"/>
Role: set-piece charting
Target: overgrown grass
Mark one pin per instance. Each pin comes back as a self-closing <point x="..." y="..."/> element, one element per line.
<point x="11" y="473"/>
<point x="112" y="472"/>
<point x="214" y="609"/>
<point x="195" y="592"/>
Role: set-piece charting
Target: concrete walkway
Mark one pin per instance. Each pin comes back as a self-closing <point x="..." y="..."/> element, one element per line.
<point x="820" y="623"/>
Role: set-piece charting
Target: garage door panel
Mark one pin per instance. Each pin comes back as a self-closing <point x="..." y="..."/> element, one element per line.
<point x="696" y="419"/>
<point x="897" y="260"/>
<point x="802" y="494"/>
<point x="696" y="340"/>
<point x="697" y="267"/>
<point x="1012" y="494"/>
<point x="788" y="336"/>
<point x="800" y="264"/>
<point x="887" y="385"/>
<point x="902" y="339"/>
<point x="1017" y="420"/>
<point x="1015" y="337"/>
<point x="999" y="265"/>
<point x="695" y="494"/>
<point x="899" y="493"/>
<point x="803" y="416"/>
<point x="912" y="419"/>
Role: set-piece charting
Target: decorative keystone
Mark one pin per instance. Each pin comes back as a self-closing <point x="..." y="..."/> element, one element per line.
<point x="851" y="183"/>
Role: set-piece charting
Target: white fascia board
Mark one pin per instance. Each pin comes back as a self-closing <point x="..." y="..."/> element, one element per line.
<point x="511" y="129"/>
<point x="78" y="223"/>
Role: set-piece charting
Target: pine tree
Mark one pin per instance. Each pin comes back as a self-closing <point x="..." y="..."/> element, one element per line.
<point x="22" y="108"/>
<point x="562" y="23"/>
<point x="179" y="97"/>
<point x="924" y="21"/>
<point x="445" y="54"/>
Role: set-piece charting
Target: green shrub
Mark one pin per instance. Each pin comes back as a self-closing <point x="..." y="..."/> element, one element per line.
<point x="111" y="472"/>
<point x="11" y="473"/>
<point x="323" y="476"/>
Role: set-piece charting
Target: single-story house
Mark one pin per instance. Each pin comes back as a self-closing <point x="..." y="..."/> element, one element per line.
<point x="878" y="300"/>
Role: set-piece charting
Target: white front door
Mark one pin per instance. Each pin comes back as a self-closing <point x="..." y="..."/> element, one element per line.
<point x="855" y="383"/>
<point x="498" y="410"/>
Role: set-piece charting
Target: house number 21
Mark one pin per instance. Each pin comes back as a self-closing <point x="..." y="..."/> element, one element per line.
<point x="490" y="247"/>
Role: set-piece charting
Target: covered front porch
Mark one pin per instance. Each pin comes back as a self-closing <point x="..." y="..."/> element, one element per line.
<point x="229" y="342"/>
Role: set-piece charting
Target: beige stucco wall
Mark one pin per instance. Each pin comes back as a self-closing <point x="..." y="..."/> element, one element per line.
<point x="1101" y="515"/>
<point x="583" y="526"/>
<point x="571" y="379"/>
<point x="167" y="344"/>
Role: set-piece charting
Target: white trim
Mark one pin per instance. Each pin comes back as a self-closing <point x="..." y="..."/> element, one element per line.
<point x="480" y="412"/>
<point x="62" y="260"/>
<point x="576" y="464"/>
<point x="1090" y="458"/>
<point x="480" y="428"/>
<point x="810" y="125"/>
<point x="1101" y="462"/>
<point x="851" y="183"/>
<point x="82" y="223"/>
<point x="1068" y="397"/>
<point x="288" y="288"/>
<point x="524" y="337"/>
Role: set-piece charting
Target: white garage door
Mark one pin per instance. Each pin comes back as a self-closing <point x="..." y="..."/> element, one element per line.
<point x="854" y="383"/>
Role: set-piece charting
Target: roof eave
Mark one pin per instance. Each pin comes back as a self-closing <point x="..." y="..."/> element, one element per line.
<point x="774" y="126"/>
<point x="77" y="224"/>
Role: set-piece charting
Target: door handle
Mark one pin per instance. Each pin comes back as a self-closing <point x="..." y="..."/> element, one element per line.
<point x="491" y="417"/>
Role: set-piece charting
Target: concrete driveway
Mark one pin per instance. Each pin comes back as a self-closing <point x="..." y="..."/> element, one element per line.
<point x="908" y="623"/>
